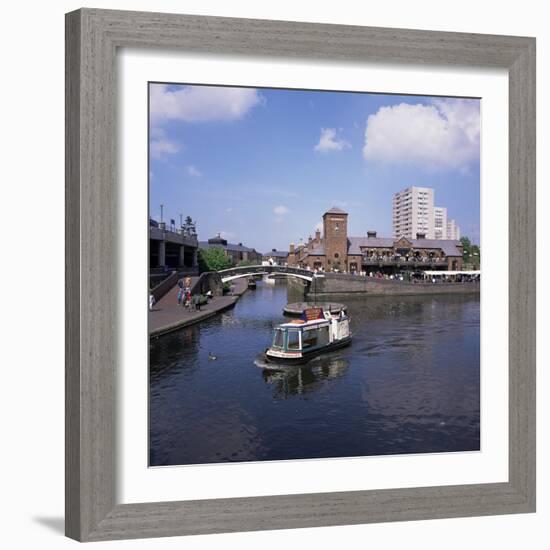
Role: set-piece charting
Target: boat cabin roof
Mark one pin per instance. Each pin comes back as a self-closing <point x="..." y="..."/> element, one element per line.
<point x="311" y="317"/>
<point x="299" y="324"/>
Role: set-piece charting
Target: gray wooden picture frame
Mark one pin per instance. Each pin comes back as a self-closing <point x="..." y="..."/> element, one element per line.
<point x="92" y="39"/>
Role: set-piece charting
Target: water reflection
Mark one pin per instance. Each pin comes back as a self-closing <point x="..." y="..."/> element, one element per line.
<point x="409" y="383"/>
<point x="172" y="353"/>
<point x="289" y="381"/>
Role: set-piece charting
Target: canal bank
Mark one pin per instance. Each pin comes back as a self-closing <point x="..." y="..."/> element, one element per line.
<point x="333" y="285"/>
<point x="167" y="316"/>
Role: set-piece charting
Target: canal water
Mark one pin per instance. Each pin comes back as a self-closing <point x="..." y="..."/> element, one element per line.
<point x="409" y="383"/>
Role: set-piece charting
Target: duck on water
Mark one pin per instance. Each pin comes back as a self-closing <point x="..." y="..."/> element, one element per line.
<point x="316" y="332"/>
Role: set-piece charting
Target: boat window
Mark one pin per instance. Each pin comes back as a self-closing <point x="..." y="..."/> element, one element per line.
<point x="323" y="336"/>
<point x="293" y="339"/>
<point x="309" y="338"/>
<point x="278" y="338"/>
<point x="315" y="337"/>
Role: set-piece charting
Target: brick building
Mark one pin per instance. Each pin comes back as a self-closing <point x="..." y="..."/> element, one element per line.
<point x="235" y="252"/>
<point x="276" y="257"/>
<point x="335" y="250"/>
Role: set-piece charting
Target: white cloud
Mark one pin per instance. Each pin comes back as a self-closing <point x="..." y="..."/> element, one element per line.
<point x="440" y="136"/>
<point x="281" y="210"/>
<point x="329" y="142"/>
<point x="201" y="103"/>
<point x="193" y="171"/>
<point x="159" y="144"/>
<point x="162" y="147"/>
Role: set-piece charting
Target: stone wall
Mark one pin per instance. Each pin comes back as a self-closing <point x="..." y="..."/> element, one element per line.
<point x="210" y="280"/>
<point x="160" y="289"/>
<point x="337" y="283"/>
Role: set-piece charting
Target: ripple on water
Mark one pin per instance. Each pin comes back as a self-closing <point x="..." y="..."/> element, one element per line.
<point x="409" y="383"/>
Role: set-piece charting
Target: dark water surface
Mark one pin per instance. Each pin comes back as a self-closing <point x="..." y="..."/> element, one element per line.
<point x="409" y="383"/>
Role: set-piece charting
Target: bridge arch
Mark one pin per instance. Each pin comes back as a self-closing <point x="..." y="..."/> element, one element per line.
<point x="247" y="271"/>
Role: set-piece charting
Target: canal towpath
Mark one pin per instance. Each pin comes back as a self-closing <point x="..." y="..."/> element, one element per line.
<point x="167" y="316"/>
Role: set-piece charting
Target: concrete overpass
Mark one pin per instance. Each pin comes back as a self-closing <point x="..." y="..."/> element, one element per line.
<point x="170" y="248"/>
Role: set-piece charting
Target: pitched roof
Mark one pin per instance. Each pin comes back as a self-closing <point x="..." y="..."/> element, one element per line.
<point x="318" y="250"/>
<point x="229" y="246"/>
<point x="276" y="254"/>
<point x="355" y="243"/>
<point x="239" y="248"/>
<point x="218" y="239"/>
<point x="335" y="210"/>
<point x="449" y="247"/>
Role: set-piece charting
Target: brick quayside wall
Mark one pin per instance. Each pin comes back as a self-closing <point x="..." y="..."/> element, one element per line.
<point x="335" y="283"/>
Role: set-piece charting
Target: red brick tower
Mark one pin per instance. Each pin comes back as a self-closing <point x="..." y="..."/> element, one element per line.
<point x="335" y="239"/>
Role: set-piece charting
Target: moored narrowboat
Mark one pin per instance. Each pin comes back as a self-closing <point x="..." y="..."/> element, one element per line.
<point x="315" y="333"/>
<point x="251" y="284"/>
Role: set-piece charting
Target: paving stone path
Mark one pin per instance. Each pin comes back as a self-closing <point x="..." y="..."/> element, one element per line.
<point x="167" y="315"/>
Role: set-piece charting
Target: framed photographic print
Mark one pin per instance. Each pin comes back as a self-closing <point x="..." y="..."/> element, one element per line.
<point x="300" y="275"/>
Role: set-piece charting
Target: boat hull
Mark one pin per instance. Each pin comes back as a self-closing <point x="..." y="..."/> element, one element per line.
<point x="308" y="355"/>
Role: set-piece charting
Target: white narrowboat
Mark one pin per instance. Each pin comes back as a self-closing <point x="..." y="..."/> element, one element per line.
<point x="315" y="333"/>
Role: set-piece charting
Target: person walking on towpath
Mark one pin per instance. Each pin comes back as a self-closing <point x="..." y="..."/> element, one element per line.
<point x="187" y="283"/>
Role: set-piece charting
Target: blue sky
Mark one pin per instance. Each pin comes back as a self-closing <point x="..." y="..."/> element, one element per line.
<point x="262" y="165"/>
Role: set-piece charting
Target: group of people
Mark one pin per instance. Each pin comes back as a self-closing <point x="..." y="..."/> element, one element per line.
<point x="391" y="276"/>
<point x="184" y="292"/>
<point x="184" y="296"/>
<point x="186" y="299"/>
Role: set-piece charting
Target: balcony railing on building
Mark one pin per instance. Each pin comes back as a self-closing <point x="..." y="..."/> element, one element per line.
<point x="403" y="260"/>
<point x="186" y="234"/>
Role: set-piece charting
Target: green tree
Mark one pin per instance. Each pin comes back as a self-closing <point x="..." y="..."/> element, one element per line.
<point x="471" y="254"/>
<point x="475" y="257"/>
<point x="245" y="263"/>
<point x="213" y="259"/>
<point x="466" y="249"/>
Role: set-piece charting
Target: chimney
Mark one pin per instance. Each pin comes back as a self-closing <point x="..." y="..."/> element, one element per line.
<point x="371" y="234"/>
<point x="318" y="235"/>
<point x="291" y="248"/>
<point x="421" y="236"/>
<point x="309" y="240"/>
